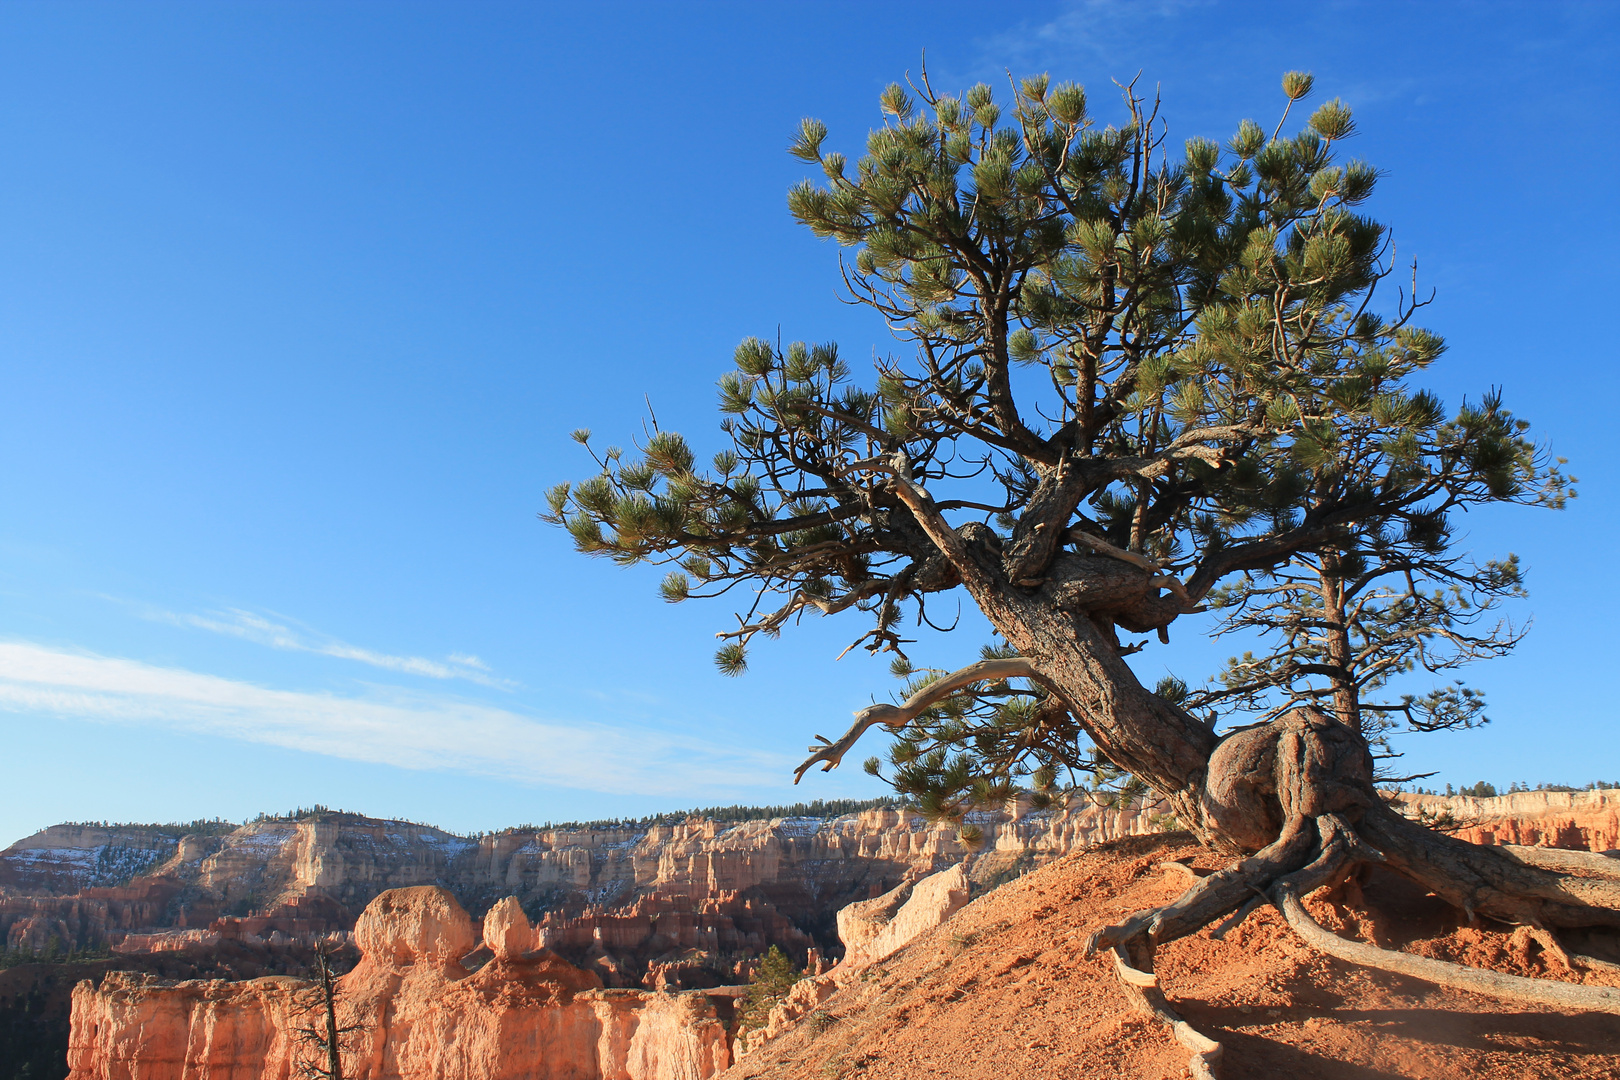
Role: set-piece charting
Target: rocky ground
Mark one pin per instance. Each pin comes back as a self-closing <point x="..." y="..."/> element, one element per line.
<point x="1002" y="990"/>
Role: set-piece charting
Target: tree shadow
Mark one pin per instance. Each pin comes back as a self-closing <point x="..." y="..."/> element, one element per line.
<point x="1590" y="1042"/>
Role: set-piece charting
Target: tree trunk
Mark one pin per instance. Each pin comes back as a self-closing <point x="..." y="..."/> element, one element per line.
<point x="1164" y="745"/>
<point x="1346" y="702"/>
<point x="1265" y="790"/>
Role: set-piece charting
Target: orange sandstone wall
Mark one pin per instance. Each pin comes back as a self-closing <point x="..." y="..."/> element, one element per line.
<point x="1581" y="820"/>
<point x="419" y="1014"/>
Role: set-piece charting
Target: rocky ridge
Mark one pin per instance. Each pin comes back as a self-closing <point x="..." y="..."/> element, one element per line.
<point x="1003" y="990"/>
<point x="930" y="984"/>
<point x="622" y="901"/>
<point x="678" y="905"/>
<point x="429" y="1001"/>
<point x="431" y="1004"/>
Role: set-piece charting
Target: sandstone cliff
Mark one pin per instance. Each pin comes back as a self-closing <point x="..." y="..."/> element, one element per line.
<point x="417" y="1013"/>
<point x="675" y="898"/>
<point x="622" y="899"/>
<point x="636" y="904"/>
<point x="1584" y="820"/>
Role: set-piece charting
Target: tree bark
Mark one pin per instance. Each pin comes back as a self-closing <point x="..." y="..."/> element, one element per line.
<point x="1346" y="702"/>
<point x="1257" y="790"/>
<point x="1167" y="747"/>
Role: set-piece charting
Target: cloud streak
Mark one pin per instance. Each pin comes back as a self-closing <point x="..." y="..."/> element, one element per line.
<point x="250" y="626"/>
<point x="410" y="731"/>
<point x="1083" y="31"/>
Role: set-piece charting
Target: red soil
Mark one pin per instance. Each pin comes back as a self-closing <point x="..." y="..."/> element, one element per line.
<point x="1003" y="991"/>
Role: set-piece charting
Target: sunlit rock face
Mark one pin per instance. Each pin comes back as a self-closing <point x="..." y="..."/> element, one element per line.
<point x="625" y="900"/>
<point x="429" y="999"/>
<point x="680" y="905"/>
<point x="413" y="1011"/>
<point x="1578" y="820"/>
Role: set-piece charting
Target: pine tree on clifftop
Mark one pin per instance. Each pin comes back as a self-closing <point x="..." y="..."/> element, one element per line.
<point x="1134" y="374"/>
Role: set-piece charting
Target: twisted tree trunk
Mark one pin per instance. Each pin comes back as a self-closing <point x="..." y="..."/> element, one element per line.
<point x="1292" y="799"/>
<point x="1295" y="797"/>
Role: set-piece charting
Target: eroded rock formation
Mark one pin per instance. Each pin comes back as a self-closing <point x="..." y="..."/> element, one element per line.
<point x="425" y="1008"/>
<point x="1580" y="820"/>
<point x="872" y="931"/>
<point x="416" y="1013"/>
<point x="685" y="904"/>
<point x="634" y="903"/>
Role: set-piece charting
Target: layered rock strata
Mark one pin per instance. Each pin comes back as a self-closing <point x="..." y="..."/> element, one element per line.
<point x="629" y="901"/>
<point x="1580" y="820"/>
<point x="623" y="899"/>
<point x="421" y="1012"/>
<point x="412" y="1011"/>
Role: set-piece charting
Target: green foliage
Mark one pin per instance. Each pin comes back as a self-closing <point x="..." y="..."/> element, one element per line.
<point x="1173" y="352"/>
<point x="1345" y="625"/>
<point x="983" y="746"/>
<point x="33" y="1036"/>
<point x="316" y="812"/>
<point x="53" y="953"/>
<point x="818" y="808"/>
<point x="993" y="742"/>
<point x="768" y="986"/>
<point x="175" y="829"/>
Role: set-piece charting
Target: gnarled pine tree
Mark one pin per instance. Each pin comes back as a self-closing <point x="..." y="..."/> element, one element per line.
<point x="1128" y="380"/>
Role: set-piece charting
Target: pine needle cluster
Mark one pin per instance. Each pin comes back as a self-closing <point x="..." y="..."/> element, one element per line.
<point x="1133" y="373"/>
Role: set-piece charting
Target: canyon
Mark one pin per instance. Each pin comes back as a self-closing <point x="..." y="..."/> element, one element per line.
<point x="679" y="905"/>
<point x="592" y="938"/>
<point x="410" y="1009"/>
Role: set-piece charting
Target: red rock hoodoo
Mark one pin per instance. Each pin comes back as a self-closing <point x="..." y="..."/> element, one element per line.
<point x="417" y="1013"/>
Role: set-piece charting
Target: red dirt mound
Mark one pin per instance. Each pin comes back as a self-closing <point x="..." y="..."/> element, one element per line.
<point x="1002" y="991"/>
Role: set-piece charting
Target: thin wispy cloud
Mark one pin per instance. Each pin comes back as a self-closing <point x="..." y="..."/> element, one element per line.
<point x="411" y="731"/>
<point x="252" y="626"/>
<point x="1092" y="30"/>
<point x="1098" y="27"/>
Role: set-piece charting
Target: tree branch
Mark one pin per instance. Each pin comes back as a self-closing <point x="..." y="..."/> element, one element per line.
<point x="898" y="716"/>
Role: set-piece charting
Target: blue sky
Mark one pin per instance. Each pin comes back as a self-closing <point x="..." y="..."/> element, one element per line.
<point x="298" y="304"/>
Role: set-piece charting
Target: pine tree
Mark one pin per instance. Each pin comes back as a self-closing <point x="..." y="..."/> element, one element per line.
<point x="768" y="986"/>
<point x="1342" y="623"/>
<point x="1133" y="376"/>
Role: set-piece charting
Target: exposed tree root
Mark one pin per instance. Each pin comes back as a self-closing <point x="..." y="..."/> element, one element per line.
<point x="1547" y="940"/>
<point x="1142" y="987"/>
<point x="1298" y="794"/>
<point x="1580" y="862"/>
<point x="1560" y="995"/>
<point x="1527" y="886"/>
<point x="1185" y="870"/>
<point x="1592" y="963"/>
<point x="1315" y="851"/>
